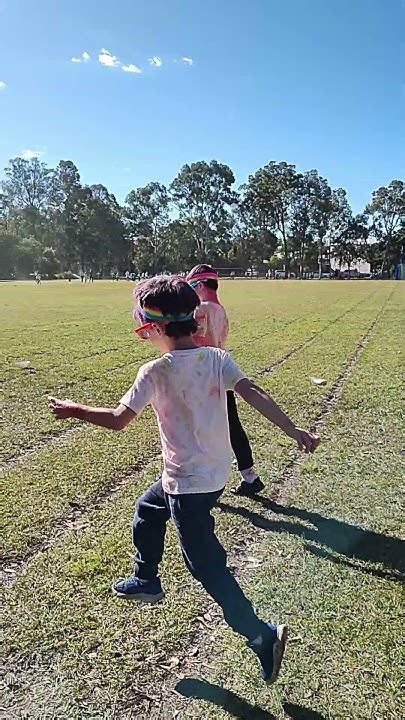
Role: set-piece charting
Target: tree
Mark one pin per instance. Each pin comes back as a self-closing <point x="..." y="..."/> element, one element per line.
<point x="387" y="210"/>
<point x="48" y="264"/>
<point x="372" y="253"/>
<point x="328" y="207"/>
<point x="26" y="192"/>
<point x="253" y="243"/>
<point x="70" y="208"/>
<point x="349" y="246"/>
<point x="147" y="215"/>
<point x="312" y="210"/>
<point x="202" y="193"/>
<point x="7" y="255"/>
<point x="28" y="252"/>
<point x="270" y="193"/>
<point x="109" y="245"/>
<point x="50" y="221"/>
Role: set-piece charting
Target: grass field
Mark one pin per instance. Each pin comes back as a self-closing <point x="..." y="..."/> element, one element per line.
<point x="320" y="549"/>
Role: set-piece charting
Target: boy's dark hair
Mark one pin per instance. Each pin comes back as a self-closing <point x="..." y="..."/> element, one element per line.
<point x="173" y="296"/>
<point x="198" y="269"/>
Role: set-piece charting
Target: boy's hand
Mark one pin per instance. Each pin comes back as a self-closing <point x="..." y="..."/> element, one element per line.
<point x="307" y="441"/>
<point x="62" y="409"/>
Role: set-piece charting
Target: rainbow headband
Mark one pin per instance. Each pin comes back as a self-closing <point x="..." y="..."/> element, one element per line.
<point x="201" y="277"/>
<point x="156" y="315"/>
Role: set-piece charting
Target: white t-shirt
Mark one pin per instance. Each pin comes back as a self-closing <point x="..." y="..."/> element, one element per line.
<point x="187" y="390"/>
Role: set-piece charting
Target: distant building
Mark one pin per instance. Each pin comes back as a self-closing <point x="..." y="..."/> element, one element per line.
<point x="362" y="267"/>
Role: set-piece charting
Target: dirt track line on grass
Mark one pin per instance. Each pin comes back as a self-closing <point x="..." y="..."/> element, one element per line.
<point x="13" y="566"/>
<point x="202" y="644"/>
<point x="45" y="370"/>
<point x="289" y="477"/>
<point x="54" y="436"/>
<point x="165" y="700"/>
<point x="16" y="565"/>
<point x="13" y="461"/>
<point x="302" y="346"/>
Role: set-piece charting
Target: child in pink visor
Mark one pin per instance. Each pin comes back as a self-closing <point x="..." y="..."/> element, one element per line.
<point x="213" y="330"/>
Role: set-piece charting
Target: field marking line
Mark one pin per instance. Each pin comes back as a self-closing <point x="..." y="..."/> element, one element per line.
<point x="201" y="641"/>
<point x="290" y="475"/>
<point x="201" y="644"/>
<point x="16" y="565"/>
<point x="302" y="346"/>
<point x="14" y="460"/>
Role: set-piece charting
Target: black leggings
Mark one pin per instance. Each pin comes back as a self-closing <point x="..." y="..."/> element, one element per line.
<point x="239" y="440"/>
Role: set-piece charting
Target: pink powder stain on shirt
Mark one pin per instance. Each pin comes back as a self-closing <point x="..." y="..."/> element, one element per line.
<point x="215" y="391"/>
<point x="213" y="325"/>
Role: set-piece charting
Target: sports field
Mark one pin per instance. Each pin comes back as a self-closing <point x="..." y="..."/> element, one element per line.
<point x="320" y="549"/>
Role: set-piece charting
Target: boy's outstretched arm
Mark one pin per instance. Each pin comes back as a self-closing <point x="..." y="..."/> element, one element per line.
<point x="261" y="401"/>
<point x="111" y="418"/>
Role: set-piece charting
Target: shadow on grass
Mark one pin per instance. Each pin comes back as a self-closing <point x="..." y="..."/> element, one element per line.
<point x="296" y="712"/>
<point x="235" y="705"/>
<point x="350" y="543"/>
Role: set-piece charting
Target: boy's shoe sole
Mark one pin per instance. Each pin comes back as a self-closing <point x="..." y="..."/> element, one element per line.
<point x="142" y="597"/>
<point x="245" y="489"/>
<point x="278" y="653"/>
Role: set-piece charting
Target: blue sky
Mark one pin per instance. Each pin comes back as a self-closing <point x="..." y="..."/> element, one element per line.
<point x="318" y="83"/>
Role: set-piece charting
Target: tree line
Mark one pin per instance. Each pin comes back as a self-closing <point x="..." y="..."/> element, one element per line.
<point x="51" y="223"/>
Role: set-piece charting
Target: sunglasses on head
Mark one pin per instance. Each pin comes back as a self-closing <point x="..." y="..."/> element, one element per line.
<point x="143" y="331"/>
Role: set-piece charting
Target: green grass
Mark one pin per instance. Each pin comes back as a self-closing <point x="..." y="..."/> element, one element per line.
<point x="72" y="650"/>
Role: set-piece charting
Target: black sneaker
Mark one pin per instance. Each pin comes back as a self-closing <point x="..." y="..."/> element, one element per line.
<point x="248" y="489"/>
<point x="270" y="651"/>
<point x="132" y="589"/>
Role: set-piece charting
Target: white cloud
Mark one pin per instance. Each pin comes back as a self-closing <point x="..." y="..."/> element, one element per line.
<point x="2" y="85"/>
<point x="131" y="68"/>
<point x="31" y="154"/>
<point x="187" y="60"/>
<point x="155" y="61"/>
<point x="84" y="57"/>
<point x="107" y="59"/>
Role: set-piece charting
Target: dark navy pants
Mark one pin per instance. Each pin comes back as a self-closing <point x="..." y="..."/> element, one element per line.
<point x="202" y="552"/>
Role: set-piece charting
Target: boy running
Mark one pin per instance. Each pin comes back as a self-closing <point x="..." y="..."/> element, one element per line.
<point x="213" y="330"/>
<point x="187" y="389"/>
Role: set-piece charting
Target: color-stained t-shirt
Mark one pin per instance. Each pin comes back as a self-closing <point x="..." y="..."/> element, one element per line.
<point x="213" y="325"/>
<point x="187" y="390"/>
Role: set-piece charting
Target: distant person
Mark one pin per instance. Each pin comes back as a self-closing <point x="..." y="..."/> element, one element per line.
<point x="127" y="275"/>
<point x="187" y="388"/>
<point x="82" y="276"/>
<point x="91" y="278"/>
<point x="37" y="278"/>
<point x="69" y="275"/>
<point x="213" y="330"/>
